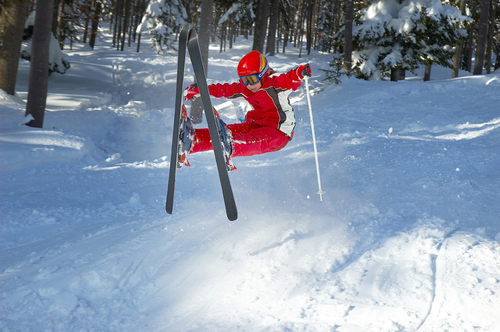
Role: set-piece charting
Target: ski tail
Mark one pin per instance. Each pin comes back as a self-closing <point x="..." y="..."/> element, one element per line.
<point x="174" y="155"/>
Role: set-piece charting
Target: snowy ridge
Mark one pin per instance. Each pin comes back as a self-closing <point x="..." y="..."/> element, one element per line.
<point x="407" y="237"/>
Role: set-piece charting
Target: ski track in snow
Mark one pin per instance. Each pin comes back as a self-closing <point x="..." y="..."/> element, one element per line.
<point x="406" y="238"/>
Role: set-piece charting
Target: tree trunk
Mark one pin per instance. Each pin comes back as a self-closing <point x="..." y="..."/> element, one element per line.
<point x="12" y="21"/>
<point x="39" y="71"/>
<point x="338" y="17"/>
<point x="95" y="25"/>
<point x="232" y="32"/>
<point x="131" y="22"/>
<point x="348" y="36"/>
<point x="470" y="50"/>
<point x="397" y="74"/>
<point x="141" y="4"/>
<point x="273" y="24"/>
<point x="286" y="27"/>
<point x="55" y="17"/>
<point x="111" y="17"/>
<point x="278" y="34"/>
<point x="86" y="29"/>
<point x="457" y="57"/>
<point x="482" y="36"/>
<point x="309" y="26"/>
<point x="60" y="25"/>
<point x="225" y="34"/>
<point x="296" y="31"/>
<point x="115" y="21"/>
<point x="125" y="22"/>
<point x="119" y="21"/>
<point x="497" y="63"/>
<point x="427" y="75"/>
<point x="261" y="25"/>
<point x="301" y="32"/>
<point x="222" y="36"/>
<point x="491" y="33"/>
<point x="206" y="23"/>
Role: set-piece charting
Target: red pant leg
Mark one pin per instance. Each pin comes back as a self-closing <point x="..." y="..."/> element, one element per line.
<point x="249" y="140"/>
<point x="201" y="141"/>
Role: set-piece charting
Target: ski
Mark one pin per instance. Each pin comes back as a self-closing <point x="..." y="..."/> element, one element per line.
<point x="189" y="38"/>
<point x="179" y="89"/>
<point x="213" y="126"/>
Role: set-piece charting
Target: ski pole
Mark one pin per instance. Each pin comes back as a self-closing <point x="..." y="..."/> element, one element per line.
<point x="320" y="191"/>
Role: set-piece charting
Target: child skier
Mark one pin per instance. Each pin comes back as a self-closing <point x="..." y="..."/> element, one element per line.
<point x="268" y="127"/>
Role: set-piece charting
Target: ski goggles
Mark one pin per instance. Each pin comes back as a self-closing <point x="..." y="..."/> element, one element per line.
<point x="250" y="79"/>
<point x="254" y="78"/>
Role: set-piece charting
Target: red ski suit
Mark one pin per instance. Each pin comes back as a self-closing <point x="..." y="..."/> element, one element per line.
<point x="268" y="127"/>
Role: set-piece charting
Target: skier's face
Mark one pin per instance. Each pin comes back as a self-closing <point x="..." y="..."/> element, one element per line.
<point x="254" y="88"/>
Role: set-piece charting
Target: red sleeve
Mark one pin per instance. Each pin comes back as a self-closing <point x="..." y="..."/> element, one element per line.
<point x="227" y="90"/>
<point x="289" y="80"/>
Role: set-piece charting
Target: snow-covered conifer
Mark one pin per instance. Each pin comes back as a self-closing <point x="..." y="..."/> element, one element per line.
<point x="57" y="60"/>
<point x="325" y="25"/>
<point x="161" y="19"/>
<point x="389" y="35"/>
<point x="241" y="11"/>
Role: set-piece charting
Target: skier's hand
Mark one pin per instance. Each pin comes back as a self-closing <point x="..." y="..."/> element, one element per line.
<point x="191" y="92"/>
<point x="303" y="71"/>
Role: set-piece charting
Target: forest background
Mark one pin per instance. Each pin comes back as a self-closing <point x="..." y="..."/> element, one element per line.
<point x="371" y="39"/>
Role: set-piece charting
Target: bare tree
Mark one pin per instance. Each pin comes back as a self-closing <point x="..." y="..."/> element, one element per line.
<point x="309" y="25"/>
<point x="349" y="13"/>
<point x="118" y="23"/>
<point x="125" y="22"/>
<point x="491" y="33"/>
<point x="261" y="25"/>
<point x="273" y="23"/>
<point x="95" y="24"/>
<point x="59" y="23"/>
<point x="300" y="28"/>
<point x="141" y="8"/>
<point x="286" y="19"/>
<point x="39" y="72"/>
<point x="206" y="22"/>
<point x="427" y="72"/>
<point x="457" y="58"/>
<point x="481" y="39"/>
<point x="11" y="34"/>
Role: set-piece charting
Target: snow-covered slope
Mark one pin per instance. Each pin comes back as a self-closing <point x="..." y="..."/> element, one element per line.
<point x="407" y="237"/>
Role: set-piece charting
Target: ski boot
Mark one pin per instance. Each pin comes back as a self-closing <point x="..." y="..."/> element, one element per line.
<point x="226" y="138"/>
<point x="186" y="136"/>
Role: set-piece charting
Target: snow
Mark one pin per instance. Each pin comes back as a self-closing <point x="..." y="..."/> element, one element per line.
<point x="406" y="238"/>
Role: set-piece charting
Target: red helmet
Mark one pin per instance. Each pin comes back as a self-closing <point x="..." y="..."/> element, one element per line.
<point x="253" y="63"/>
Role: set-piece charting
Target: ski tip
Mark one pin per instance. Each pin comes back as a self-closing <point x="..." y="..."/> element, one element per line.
<point x="232" y="216"/>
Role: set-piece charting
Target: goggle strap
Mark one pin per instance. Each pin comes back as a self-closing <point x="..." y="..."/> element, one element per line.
<point x="246" y="80"/>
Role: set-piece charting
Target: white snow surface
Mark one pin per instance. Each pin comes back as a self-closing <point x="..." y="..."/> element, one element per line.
<point x="406" y="238"/>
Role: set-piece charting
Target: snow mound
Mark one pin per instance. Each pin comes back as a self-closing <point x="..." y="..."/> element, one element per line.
<point x="28" y="147"/>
